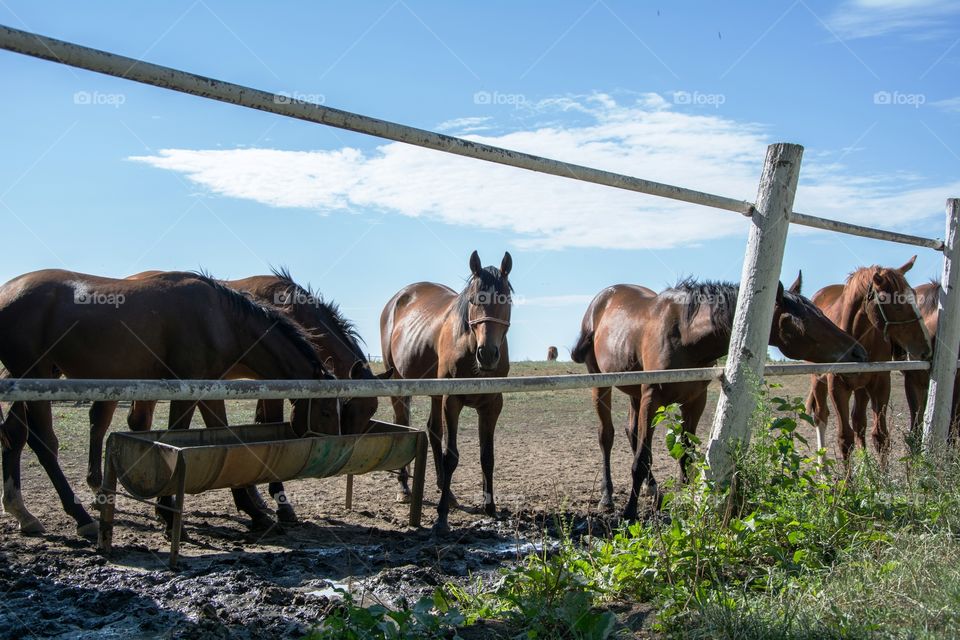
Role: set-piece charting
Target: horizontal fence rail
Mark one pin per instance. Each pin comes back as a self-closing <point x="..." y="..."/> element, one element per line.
<point x="96" y="60"/>
<point x="45" y="389"/>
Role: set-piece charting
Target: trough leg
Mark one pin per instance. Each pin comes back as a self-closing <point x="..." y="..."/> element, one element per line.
<point x="419" y="473"/>
<point x="349" y="492"/>
<point x="177" y="528"/>
<point x="107" y="498"/>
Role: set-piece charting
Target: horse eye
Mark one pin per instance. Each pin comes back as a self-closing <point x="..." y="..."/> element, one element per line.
<point x="483" y="297"/>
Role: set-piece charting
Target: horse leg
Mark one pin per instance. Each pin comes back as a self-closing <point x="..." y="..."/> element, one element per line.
<point x="43" y="441"/>
<point x="915" y="384"/>
<point x="602" y="402"/>
<point x="451" y="407"/>
<point x="401" y="416"/>
<point x="643" y="480"/>
<point x="879" y="399"/>
<point x="690" y="413"/>
<point x="181" y="413"/>
<point x="101" y="413"/>
<point x="858" y="416"/>
<point x="840" y="396"/>
<point x="213" y="412"/>
<point x="140" y="415"/>
<point x="817" y="408"/>
<point x="488" y="413"/>
<point x="13" y="436"/>
<point x="270" y="412"/>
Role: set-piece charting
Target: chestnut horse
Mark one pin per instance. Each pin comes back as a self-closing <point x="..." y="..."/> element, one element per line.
<point x="174" y="325"/>
<point x="631" y="328"/>
<point x="429" y="331"/>
<point x="334" y="338"/>
<point x="916" y="383"/>
<point x="878" y="307"/>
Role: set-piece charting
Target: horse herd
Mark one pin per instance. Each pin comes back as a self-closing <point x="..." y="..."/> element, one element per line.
<point x="162" y="325"/>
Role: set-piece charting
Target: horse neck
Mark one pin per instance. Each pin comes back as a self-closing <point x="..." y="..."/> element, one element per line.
<point x="333" y="345"/>
<point x="274" y="353"/>
<point x="705" y="340"/>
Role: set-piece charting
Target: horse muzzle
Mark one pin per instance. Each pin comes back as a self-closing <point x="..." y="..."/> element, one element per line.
<point x="488" y="357"/>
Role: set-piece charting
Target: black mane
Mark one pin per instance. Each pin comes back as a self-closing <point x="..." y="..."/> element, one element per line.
<point x="720" y="297"/>
<point x="489" y="278"/>
<point x="929" y="303"/>
<point x="247" y="305"/>
<point x="335" y="321"/>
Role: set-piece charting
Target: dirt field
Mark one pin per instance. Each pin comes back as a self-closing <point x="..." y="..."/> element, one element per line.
<point x="235" y="583"/>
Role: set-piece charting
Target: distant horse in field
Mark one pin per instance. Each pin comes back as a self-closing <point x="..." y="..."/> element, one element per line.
<point x="631" y="328"/>
<point x="427" y="330"/>
<point x="334" y="338"/>
<point x="552" y="354"/>
<point x="173" y="325"/>
<point x="878" y="307"/>
<point x="917" y="383"/>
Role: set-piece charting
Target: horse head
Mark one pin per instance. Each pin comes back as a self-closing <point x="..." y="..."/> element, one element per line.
<point x="487" y="300"/>
<point x="891" y="306"/>
<point x="801" y="331"/>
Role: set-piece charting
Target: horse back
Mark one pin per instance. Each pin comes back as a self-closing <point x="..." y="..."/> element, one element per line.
<point x="410" y="328"/>
<point x="614" y="325"/>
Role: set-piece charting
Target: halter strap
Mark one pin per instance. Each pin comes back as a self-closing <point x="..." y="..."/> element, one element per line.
<point x="476" y="321"/>
<point x="887" y="322"/>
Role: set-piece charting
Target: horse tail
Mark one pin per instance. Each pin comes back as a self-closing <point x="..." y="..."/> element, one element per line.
<point x="583" y="346"/>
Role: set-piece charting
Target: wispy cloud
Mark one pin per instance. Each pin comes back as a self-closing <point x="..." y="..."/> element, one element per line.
<point x="578" y="300"/>
<point x="646" y="138"/>
<point x="466" y="125"/>
<point x="948" y="104"/>
<point x="915" y="18"/>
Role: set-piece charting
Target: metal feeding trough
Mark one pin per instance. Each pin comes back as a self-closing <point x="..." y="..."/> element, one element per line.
<point x="150" y="464"/>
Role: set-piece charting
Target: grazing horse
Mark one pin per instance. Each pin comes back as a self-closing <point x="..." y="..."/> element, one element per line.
<point x="334" y="338"/>
<point x="878" y="307"/>
<point x="631" y="328"/>
<point x="427" y="330"/>
<point x="552" y="354"/>
<point x="173" y="325"/>
<point x="916" y="383"/>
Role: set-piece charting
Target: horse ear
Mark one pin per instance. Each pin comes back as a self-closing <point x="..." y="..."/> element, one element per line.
<point x="907" y="265"/>
<point x="386" y="375"/>
<point x="877" y="278"/>
<point x="795" y="287"/>
<point x="779" y="292"/>
<point x="506" y="265"/>
<point x="475" y="265"/>
<point x="356" y="371"/>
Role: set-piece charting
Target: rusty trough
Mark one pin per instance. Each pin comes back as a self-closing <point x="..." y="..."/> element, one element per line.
<point x="150" y="464"/>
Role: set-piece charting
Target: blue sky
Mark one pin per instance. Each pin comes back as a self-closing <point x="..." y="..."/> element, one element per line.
<point x="104" y="176"/>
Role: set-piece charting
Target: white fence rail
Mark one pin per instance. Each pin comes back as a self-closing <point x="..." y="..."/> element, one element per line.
<point x="770" y="218"/>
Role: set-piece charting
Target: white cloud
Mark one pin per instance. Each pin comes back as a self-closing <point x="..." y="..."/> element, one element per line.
<point x="579" y="300"/>
<point x="948" y="104"/>
<point x="645" y="138"/>
<point x="869" y="18"/>
<point x="466" y="125"/>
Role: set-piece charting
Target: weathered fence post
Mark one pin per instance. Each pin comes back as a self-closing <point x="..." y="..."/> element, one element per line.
<point x="751" y="321"/>
<point x="943" y="369"/>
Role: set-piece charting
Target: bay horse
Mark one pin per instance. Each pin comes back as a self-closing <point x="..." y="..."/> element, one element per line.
<point x="917" y="383"/>
<point x="878" y="307"/>
<point x="334" y="338"/>
<point x="632" y="328"/>
<point x="172" y="325"/>
<point x="428" y="330"/>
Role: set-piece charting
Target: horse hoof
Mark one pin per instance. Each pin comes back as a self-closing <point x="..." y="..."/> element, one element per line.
<point x="32" y="528"/>
<point x="286" y="515"/>
<point x="649" y="489"/>
<point x="441" y="528"/>
<point x="265" y="523"/>
<point x="606" y="504"/>
<point x="403" y="497"/>
<point x="89" y="530"/>
<point x="490" y="509"/>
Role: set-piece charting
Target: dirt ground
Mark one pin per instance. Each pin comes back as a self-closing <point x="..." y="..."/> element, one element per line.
<point x="237" y="583"/>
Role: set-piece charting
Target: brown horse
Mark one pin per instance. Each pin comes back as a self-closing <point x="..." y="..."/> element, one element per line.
<point x="429" y="331"/>
<point x="878" y="307"/>
<point x="334" y="338"/>
<point x="174" y="325"/>
<point x="916" y="383"/>
<point x="552" y="354"/>
<point x="631" y="328"/>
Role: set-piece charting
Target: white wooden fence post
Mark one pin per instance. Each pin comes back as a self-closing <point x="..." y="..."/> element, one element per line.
<point x="754" y="313"/>
<point x="943" y="369"/>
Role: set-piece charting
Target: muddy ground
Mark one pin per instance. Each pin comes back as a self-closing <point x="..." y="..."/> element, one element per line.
<point x="232" y="582"/>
